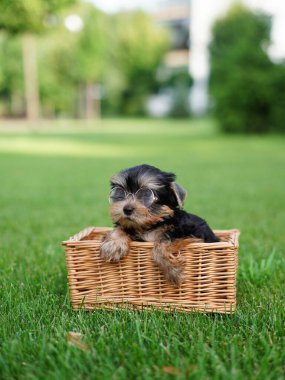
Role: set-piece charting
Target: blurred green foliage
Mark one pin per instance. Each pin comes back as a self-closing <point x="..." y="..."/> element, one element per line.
<point x="69" y="63"/>
<point x="11" y="76"/>
<point x="248" y="89"/>
<point x="179" y="81"/>
<point x="113" y="59"/>
<point x="139" y="46"/>
<point x="21" y="16"/>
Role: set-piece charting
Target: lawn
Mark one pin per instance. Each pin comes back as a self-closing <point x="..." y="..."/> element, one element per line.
<point x="54" y="182"/>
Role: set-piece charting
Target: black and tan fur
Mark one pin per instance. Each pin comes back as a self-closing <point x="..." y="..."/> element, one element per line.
<point x="164" y="222"/>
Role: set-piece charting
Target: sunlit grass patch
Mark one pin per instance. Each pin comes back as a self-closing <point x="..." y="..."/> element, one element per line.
<point x="49" y="146"/>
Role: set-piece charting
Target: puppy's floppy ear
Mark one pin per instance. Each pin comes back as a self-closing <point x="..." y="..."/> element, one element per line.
<point x="179" y="192"/>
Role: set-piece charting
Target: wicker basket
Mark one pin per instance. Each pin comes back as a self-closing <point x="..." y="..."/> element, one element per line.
<point x="210" y="284"/>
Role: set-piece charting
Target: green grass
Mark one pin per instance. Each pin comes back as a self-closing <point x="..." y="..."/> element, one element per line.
<point x="54" y="182"/>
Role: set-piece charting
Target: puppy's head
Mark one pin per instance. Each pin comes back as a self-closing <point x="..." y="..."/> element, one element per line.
<point x="143" y="195"/>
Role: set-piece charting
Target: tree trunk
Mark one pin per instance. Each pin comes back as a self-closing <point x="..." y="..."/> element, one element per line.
<point x="30" y="76"/>
<point x="81" y="101"/>
<point x="92" y="101"/>
<point x="97" y="107"/>
<point x="89" y="101"/>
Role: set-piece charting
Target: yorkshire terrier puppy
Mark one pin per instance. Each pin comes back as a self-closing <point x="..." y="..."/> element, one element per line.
<point x="146" y="205"/>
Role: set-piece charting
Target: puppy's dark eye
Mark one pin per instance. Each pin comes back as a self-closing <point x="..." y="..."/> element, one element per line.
<point x="117" y="195"/>
<point x="145" y="196"/>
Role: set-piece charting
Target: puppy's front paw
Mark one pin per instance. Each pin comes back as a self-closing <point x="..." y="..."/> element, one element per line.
<point x="113" y="250"/>
<point x="115" y="246"/>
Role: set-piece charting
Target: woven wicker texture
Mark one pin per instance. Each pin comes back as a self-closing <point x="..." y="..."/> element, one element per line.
<point x="135" y="281"/>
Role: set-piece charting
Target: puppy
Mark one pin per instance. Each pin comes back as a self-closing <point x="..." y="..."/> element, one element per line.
<point x="146" y="205"/>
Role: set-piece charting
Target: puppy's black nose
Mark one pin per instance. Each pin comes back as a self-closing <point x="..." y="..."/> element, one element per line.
<point x="128" y="210"/>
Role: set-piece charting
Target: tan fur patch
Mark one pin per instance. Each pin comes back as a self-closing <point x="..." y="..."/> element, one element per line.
<point x="141" y="217"/>
<point x="152" y="235"/>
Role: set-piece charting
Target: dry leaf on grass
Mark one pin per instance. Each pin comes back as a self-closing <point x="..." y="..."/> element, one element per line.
<point x="75" y="339"/>
<point x="171" y="370"/>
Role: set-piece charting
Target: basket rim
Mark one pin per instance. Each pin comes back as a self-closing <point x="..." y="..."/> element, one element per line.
<point x="77" y="239"/>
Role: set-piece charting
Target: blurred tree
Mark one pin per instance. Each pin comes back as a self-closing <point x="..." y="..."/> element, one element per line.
<point x="241" y="71"/>
<point x="58" y="90"/>
<point x="74" y="64"/>
<point x="89" y="62"/>
<point x="116" y="53"/>
<point x="11" y="76"/>
<point x="277" y="109"/>
<point x="137" y="49"/>
<point x="29" y="18"/>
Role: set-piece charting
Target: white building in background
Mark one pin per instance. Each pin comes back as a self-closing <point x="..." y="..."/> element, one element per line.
<point x="173" y="15"/>
<point x="203" y="15"/>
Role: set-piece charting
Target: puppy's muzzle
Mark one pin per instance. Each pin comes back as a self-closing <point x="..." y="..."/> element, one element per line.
<point x="128" y="210"/>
